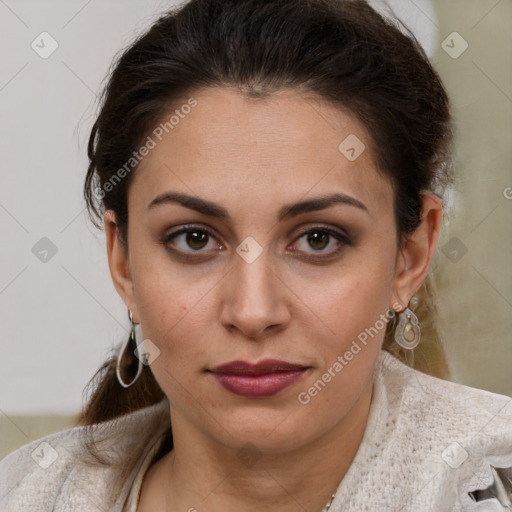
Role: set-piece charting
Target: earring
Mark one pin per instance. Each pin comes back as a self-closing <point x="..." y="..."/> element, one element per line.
<point x="129" y="355"/>
<point x="407" y="332"/>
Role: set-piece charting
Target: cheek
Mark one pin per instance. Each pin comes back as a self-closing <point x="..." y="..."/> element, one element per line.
<point x="166" y="302"/>
<point x="356" y="331"/>
<point x="175" y="314"/>
<point x="343" y="303"/>
<point x="168" y="317"/>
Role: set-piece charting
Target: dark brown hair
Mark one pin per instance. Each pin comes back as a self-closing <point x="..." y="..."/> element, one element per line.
<point x="341" y="51"/>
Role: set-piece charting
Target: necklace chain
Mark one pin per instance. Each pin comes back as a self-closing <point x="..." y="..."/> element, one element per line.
<point x="328" y="506"/>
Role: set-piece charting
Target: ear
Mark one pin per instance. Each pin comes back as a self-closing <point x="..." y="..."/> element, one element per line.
<point x="417" y="252"/>
<point x="118" y="263"/>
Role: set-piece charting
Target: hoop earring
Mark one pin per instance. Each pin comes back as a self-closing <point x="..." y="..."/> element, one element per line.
<point x="132" y="355"/>
<point x="407" y="332"/>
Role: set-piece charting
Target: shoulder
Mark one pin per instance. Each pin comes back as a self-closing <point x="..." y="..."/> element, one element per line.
<point x="451" y="409"/>
<point x="55" y="472"/>
<point x="451" y="434"/>
<point x="31" y="476"/>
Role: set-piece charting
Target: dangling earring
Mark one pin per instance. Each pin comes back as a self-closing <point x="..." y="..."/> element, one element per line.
<point x="407" y="331"/>
<point x="129" y="355"/>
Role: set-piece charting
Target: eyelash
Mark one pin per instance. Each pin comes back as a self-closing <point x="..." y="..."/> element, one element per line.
<point x="340" y="237"/>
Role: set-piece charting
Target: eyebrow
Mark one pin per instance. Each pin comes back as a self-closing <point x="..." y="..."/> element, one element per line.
<point x="291" y="210"/>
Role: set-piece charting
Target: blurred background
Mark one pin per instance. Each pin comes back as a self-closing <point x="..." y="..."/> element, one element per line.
<point x="60" y="314"/>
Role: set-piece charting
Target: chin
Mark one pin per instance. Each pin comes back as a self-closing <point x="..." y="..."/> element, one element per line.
<point x="273" y="431"/>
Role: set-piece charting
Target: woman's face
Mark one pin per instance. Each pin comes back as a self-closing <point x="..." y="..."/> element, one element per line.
<point x="266" y="268"/>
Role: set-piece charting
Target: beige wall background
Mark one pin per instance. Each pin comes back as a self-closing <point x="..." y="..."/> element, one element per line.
<point x="472" y="267"/>
<point x="473" y="263"/>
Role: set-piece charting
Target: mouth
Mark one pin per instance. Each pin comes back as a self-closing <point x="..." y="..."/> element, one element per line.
<point x="260" y="380"/>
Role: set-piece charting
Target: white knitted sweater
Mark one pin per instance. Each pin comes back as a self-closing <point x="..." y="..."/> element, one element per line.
<point x="427" y="443"/>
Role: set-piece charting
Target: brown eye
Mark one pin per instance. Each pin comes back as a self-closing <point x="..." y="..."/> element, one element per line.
<point x="319" y="240"/>
<point x="196" y="239"/>
<point x="190" y="239"/>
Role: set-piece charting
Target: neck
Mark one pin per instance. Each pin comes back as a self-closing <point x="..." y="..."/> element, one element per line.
<point x="198" y="475"/>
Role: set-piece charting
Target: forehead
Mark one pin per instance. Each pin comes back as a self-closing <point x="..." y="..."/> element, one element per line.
<point x="287" y="144"/>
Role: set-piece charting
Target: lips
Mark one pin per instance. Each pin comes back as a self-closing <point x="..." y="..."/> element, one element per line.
<point x="263" y="379"/>
<point x="261" y="368"/>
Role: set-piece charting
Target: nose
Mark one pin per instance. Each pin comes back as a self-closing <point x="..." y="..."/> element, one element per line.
<point x="255" y="299"/>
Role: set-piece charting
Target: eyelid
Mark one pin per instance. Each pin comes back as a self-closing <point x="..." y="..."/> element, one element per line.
<point x="324" y="227"/>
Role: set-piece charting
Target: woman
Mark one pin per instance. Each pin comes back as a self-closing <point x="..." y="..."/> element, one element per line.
<point x="270" y="176"/>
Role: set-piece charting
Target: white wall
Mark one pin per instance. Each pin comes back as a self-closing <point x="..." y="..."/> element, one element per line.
<point x="60" y="318"/>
